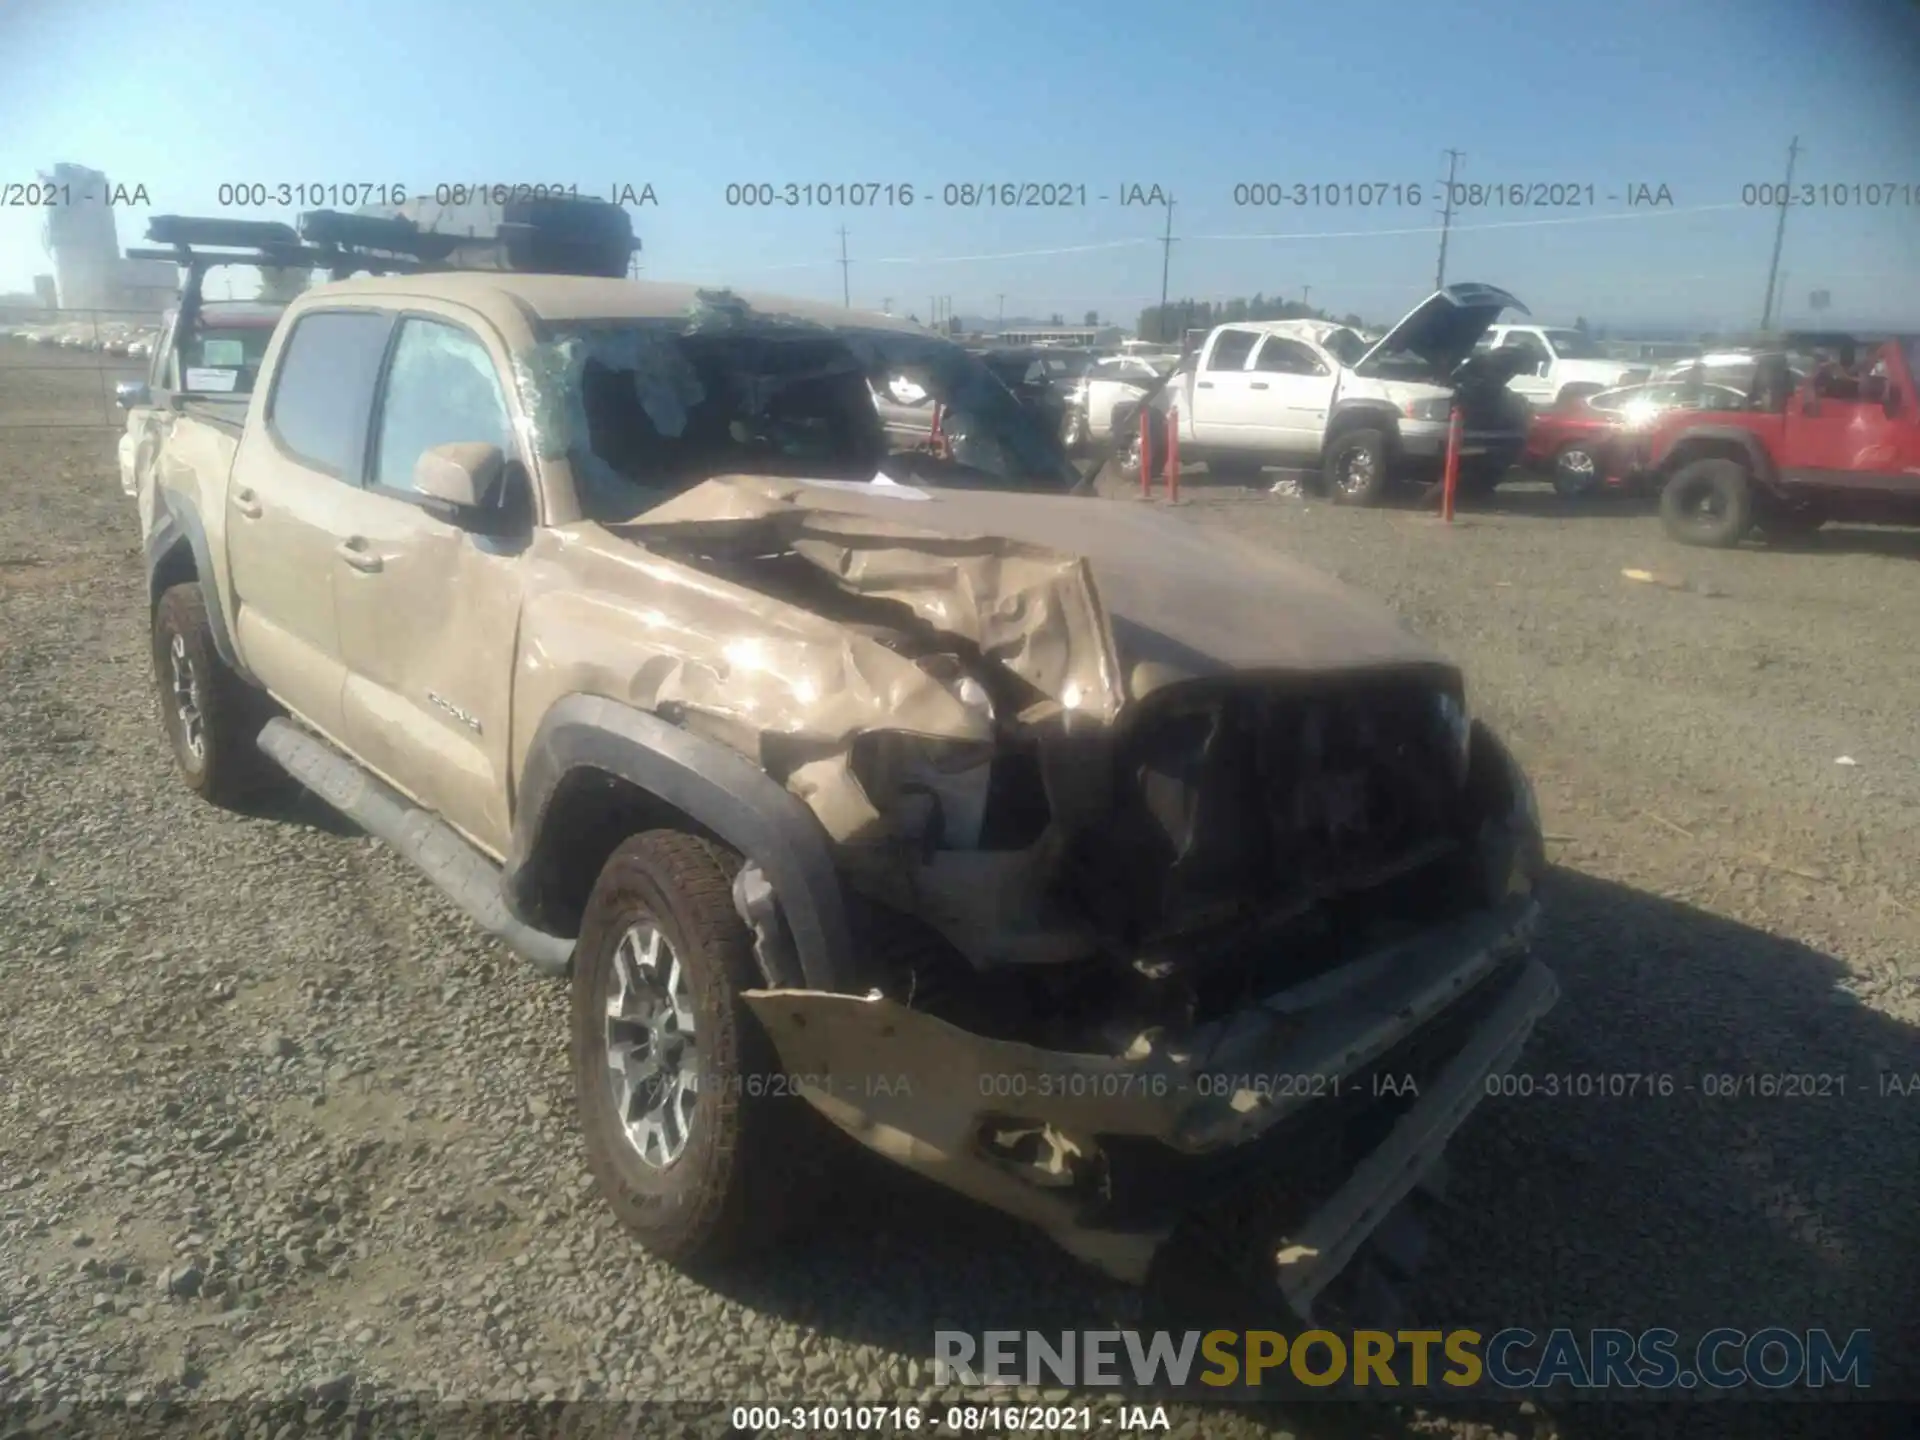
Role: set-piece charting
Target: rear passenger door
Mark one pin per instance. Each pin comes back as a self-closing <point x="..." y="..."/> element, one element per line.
<point x="1223" y="412"/>
<point x="299" y="462"/>
<point x="429" y="604"/>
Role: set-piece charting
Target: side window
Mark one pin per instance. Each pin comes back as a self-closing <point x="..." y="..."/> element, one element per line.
<point x="442" y="389"/>
<point x="323" y="388"/>
<point x="1230" y="351"/>
<point x="1288" y="357"/>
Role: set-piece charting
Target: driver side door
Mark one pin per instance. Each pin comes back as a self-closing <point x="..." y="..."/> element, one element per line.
<point x="429" y="605"/>
<point x="1294" y="390"/>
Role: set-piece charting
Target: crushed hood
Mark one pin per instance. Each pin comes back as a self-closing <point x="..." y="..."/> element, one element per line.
<point x="1443" y="328"/>
<point x="1093" y="603"/>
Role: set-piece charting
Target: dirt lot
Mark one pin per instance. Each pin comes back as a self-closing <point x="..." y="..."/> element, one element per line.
<point x="273" y="1117"/>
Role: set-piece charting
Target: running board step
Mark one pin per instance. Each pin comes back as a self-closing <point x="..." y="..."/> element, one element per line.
<point x="467" y="877"/>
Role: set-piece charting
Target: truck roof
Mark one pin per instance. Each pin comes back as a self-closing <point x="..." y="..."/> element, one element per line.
<point x="581" y="297"/>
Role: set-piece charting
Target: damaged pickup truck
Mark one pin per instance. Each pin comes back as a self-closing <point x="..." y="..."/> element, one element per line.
<point x="1083" y="861"/>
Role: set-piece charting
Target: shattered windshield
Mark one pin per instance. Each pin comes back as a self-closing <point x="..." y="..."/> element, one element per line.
<point x="646" y="409"/>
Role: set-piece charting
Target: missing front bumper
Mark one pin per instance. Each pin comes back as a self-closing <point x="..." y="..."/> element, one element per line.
<point x="928" y="1095"/>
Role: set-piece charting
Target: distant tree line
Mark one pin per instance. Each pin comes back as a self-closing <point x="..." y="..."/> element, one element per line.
<point x="1167" y="323"/>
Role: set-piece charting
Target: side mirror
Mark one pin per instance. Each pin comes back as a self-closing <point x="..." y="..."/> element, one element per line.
<point x="1543" y="368"/>
<point x="131" y="394"/>
<point x="466" y="475"/>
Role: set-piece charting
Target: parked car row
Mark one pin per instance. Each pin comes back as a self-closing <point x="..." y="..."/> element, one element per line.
<point x="111" y="337"/>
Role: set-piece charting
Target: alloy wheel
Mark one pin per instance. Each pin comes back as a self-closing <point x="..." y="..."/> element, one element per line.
<point x="186" y="698"/>
<point x="653" y="1057"/>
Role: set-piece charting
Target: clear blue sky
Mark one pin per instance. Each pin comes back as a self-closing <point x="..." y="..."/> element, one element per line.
<point x="1699" y="95"/>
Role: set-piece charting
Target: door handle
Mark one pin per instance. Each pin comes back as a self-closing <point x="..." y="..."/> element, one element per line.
<point x="1206" y="384"/>
<point x="1259" y="385"/>
<point x="355" y="553"/>
<point x="247" y="503"/>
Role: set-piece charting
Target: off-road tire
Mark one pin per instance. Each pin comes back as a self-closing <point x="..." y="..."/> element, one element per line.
<point x="230" y="767"/>
<point x="1373" y="488"/>
<point x="753" y="1148"/>
<point x="1708" y="502"/>
<point x="1571" y="481"/>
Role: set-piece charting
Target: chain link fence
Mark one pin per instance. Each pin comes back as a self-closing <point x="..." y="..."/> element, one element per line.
<point x="58" y="368"/>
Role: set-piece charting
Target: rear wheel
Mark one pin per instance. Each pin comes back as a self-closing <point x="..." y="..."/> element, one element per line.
<point x="212" y="717"/>
<point x="1576" y="470"/>
<point x="1355" y="468"/>
<point x="1708" y="502"/>
<point x="1129" y="445"/>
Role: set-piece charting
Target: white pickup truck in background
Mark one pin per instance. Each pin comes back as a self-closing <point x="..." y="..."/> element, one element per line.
<point x="1314" y="394"/>
<point x="1559" y="363"/>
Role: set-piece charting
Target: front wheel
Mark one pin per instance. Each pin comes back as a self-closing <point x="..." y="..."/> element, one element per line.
<point x="1355" y="468"/>
<point x="688" y="1121"/>
<point x="1074" y="432"/>
<point x="1708" y="502"/>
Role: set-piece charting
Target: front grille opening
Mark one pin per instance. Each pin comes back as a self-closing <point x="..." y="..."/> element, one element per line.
<point x="1285" y="828"/>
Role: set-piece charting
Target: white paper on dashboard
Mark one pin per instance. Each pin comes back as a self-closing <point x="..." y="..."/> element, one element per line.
<point x="203" y="379"/>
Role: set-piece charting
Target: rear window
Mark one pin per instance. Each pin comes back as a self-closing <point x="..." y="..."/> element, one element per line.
<point x="323" y="389"/>
<point x="223" y="359"/>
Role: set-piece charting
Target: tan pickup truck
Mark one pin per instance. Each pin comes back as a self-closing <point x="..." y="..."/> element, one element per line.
<point x="1074" y="856"/>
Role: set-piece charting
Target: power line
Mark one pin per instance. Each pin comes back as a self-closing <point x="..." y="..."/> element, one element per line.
<point x="1454" y="157"/>
<point x="1779" y="234"/>
<point x="1646" y="214"/>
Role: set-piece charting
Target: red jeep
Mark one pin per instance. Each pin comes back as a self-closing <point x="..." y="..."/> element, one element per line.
<point x="1842" y="444"/>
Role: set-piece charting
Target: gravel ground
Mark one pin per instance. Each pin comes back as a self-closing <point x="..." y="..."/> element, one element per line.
<point x="275" y="1121"/>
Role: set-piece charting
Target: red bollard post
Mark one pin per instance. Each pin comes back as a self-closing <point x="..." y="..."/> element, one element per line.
<point x="1451" y="479"/>
<point x="1173" y="455"/>
<point x="1146" y="456"/>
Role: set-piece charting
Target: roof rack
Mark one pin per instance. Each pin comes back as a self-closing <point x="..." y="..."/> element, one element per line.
<point x="546" y="235"/>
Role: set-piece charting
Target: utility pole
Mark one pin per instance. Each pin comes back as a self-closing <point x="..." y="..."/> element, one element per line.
<point x="1305" y="292"/>
<point x="886" y="306"/>
<point x="1454" y="157"/>
<point x="846" y="290"/>
<point x="1779" y="234"/>
<point x="1166" y="260"/>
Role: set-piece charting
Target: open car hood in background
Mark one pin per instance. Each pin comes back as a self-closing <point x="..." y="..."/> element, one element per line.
<point x="1443" y="328"/>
